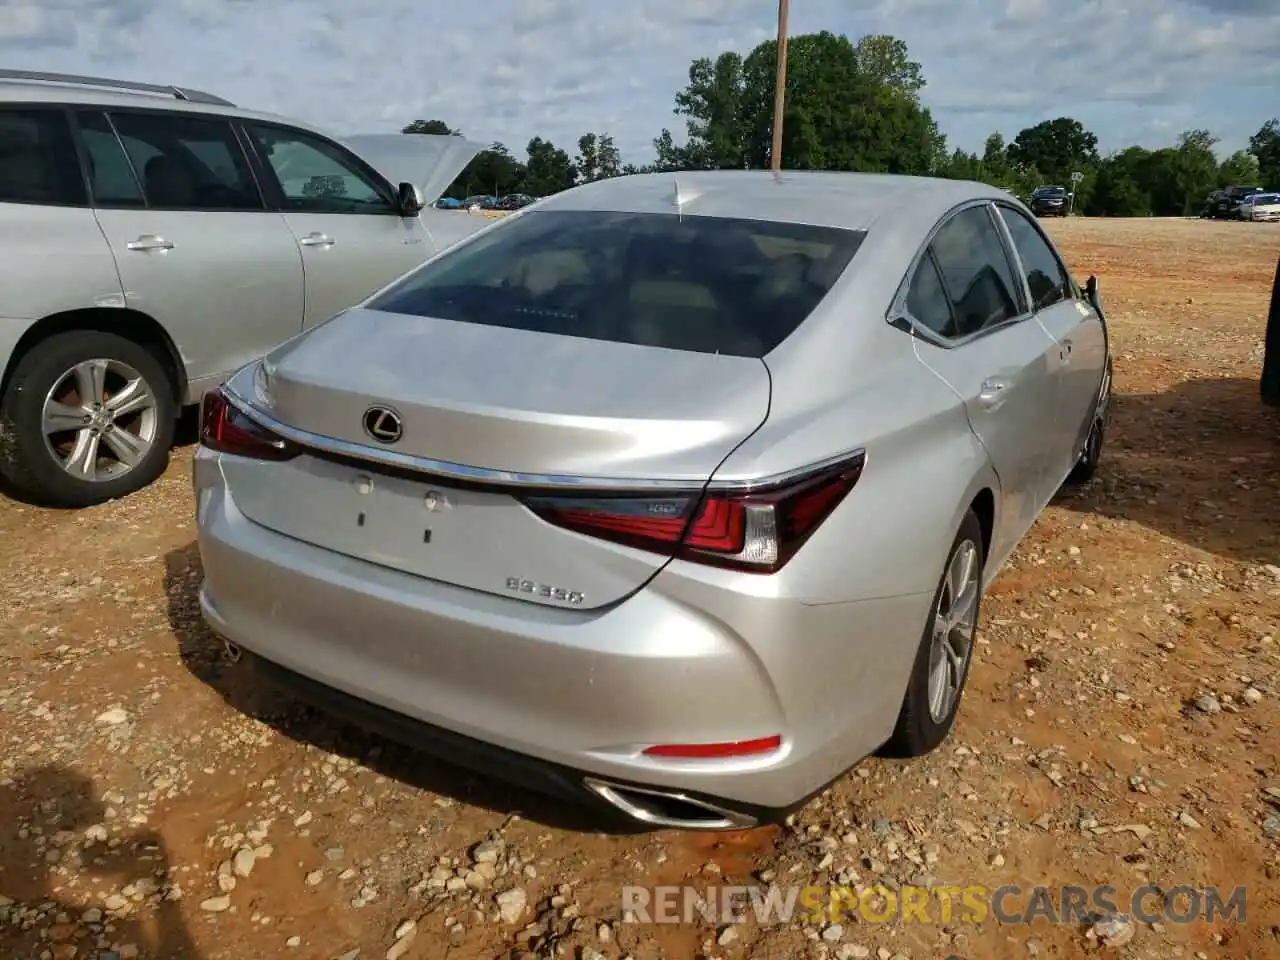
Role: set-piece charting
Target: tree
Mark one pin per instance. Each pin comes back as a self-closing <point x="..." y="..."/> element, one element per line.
<point x="598" y="158"/>
<point x="588" y="162"/>
<point x="672" y="156"/>
<point x="1056" y="148"/>
<point x="609" y="157"/>
<point x="711" y="104"/>
<point x="849" y="107"/>
<point x="884" y="60"/>
<point x="434" y="127"/>
<point x="1265" y="147"/>
<point x="548" y="169"/>
<point x="1241" y="167"/>
<point x="494" y="171"/>
<point x="1178" y="178"/>
<point x="1118" y="190"/>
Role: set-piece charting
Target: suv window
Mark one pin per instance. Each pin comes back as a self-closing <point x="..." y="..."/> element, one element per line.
<point x="317" y="176"/>
<point x="111" y="175"/>
<point x="188" y="162"/>
<point x="701" y="284"/>
<point x="38" y="162"/>
<point x="976" y="272"/>
<point x="1047" y="279"/>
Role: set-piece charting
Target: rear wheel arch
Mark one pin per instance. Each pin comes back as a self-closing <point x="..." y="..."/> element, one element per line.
<point x="984" y="507"/>
<point x="130" y="324"/>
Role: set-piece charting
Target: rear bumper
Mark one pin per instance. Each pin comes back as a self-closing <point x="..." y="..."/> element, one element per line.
<point x="509" y="766"/>
<point x="568" y="693"/>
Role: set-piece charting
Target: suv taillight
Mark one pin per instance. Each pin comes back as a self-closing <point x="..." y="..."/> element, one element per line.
<point x="226" y="428"/>
<point x="756" y="530"/>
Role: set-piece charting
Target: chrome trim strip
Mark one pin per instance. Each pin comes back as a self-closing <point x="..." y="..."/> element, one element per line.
<point x="621" y="798"/>
<point x="511" y="478"/>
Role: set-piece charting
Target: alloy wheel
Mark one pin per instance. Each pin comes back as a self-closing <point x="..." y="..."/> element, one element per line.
<point x="99" y="420"/>
<point x="954" y="622"/>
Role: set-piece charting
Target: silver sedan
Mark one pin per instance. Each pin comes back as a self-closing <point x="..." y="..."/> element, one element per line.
<point x="677" y="492"/>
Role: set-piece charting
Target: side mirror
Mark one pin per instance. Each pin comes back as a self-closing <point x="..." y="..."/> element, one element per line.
<point x="409" y="200"/>
<point x="1091" y="292"/>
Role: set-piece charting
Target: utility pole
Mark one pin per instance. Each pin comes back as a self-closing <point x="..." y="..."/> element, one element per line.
<point x="780" y="94"/>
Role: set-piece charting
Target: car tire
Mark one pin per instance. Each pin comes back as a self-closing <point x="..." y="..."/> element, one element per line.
<point x="1086" y="467"/>
<point x="925" y="719"/>
<point x="55" y="369"/>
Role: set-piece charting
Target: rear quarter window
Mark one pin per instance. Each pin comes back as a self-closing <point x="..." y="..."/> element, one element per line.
<point x="702" y="284"/>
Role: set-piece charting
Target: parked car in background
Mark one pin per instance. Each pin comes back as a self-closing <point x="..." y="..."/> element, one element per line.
<point x="157" y="238"/>
<point x="514" y="201"/>
<point x="1224" y="204"/>
<point x="1260" y="206"/>
<point x="1050" y="201"/>
<point x="677" y="492"/>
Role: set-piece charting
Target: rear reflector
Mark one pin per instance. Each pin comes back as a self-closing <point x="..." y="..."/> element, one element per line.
<point x="712" y="751"/>
<point x="756" y="530"/>
<point x="227" y="429"/>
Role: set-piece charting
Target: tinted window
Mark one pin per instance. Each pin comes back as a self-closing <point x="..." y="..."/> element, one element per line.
<point x="927" y="299"/>
<point x="188" y="163"/>
<point x="317" y="176"/>
<point x="1047" y="279"/>
<point x="38" y="162"/>
<point x="704" y="284"/>
<point x="110" y="173"/>
<point x="976" y="271"/>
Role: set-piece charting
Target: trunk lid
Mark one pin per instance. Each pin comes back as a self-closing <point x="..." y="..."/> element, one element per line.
<point x="497" y="399"/>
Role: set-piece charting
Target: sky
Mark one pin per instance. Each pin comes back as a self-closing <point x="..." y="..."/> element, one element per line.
<point x="1133" y="71"/>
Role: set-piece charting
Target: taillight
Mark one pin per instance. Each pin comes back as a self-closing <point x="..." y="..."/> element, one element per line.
<point x="226" y="428"/>
<point x="757" y="529"/>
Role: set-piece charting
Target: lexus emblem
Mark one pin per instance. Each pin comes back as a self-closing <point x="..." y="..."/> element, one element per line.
<point x="383" y="424"/>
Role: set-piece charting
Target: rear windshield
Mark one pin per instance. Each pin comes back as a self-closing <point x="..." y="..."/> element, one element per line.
<point x="701" y="284"/>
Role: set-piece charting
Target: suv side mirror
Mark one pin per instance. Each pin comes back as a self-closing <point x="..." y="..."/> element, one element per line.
<point x="408" y="200"/>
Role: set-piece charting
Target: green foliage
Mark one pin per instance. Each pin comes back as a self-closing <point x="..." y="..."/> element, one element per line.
<point x="856" y="106"/>
<point x="1265" y="147"/>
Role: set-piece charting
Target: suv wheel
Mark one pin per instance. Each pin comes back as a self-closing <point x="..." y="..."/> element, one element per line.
<point x="87" y="417"/>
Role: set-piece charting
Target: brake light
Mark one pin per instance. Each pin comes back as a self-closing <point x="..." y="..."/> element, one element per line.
<point x="756" y="530"/>
<point x="224" y="427"/>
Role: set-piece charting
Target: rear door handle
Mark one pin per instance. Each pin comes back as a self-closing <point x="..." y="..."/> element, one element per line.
<point x="149" y="241"/>
<point x="317" y="240"/>
<point x="993" y="392"/>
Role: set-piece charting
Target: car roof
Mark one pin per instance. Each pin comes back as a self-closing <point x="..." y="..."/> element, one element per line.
<point x="13" y="90"/>
<point x="850" y="201"/>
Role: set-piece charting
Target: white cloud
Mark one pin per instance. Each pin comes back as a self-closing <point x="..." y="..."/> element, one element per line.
<point x="511" y="69"/>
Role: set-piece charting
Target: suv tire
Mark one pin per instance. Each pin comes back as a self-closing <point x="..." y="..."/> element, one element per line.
<point x="55" y="370"/>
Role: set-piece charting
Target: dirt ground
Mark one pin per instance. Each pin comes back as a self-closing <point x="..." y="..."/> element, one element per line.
<point x="1121" y="725"/>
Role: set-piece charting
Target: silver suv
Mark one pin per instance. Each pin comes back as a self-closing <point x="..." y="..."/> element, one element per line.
<point x="157" y="238"/>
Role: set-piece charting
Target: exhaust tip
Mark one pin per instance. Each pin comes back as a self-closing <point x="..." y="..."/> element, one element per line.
<point x="231" y="651"/>
<point x="673" y="809"/>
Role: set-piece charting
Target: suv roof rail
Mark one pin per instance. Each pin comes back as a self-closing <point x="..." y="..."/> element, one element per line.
<point x="178" y="93"/>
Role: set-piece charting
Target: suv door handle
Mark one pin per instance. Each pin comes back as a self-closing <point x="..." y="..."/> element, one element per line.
<point x="317" y="240"/>
<point x="992" y="393"/>
<point x="149" y="241"/>
<point x="1066" y="349"/>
